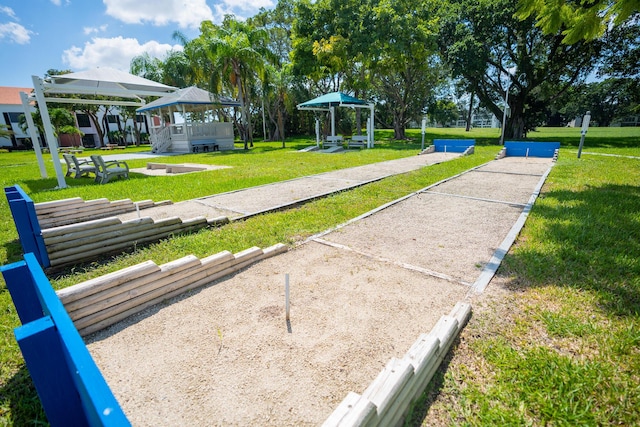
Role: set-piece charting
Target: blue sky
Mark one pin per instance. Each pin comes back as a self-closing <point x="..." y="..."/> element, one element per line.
<point x="38" y="35"/>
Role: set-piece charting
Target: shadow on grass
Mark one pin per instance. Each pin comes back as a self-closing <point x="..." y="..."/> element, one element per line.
<point x="13" y="249"/>
<point x="19" y="396"/>
<point x="588" y="240"/>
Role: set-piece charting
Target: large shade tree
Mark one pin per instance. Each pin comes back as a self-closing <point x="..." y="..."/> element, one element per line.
<point x="578" y="20"/>
<point x="494" y="51"/>
<point x="277" y="80"/>
<point x="403" y="58"/>
<point x="377" y="49"/>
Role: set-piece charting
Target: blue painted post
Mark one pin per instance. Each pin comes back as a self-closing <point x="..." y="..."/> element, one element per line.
<point x="23" y="291"/>
<point x="44" y="355"/>
<point x="69" y="383"/>
<point x="25" y="218"/>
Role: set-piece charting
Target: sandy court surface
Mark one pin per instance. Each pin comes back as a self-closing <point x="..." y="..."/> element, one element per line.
<point x="259" y="199"/>
<point x="185" y="210"/>
<point x="449" y="235"/>
<point x="518" y="165"/>
<point x="360" y="295"/>
<point x="224" y="356"/>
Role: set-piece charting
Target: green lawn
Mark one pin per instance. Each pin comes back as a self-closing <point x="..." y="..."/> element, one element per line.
<point x="565" y="258"/>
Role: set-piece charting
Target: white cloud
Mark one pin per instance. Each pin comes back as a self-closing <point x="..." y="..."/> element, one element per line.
<point x="186" y="13"/>
<point x="15" y="33"/>
<point x="113" y="52"/>
<point x="9" y="12"/>
<point x="249" y="7"/>
<point x="92" y="30"/>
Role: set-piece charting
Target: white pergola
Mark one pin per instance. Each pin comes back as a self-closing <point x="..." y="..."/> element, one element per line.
<point x="99" y="82"/>
<point x="330" y="101"/>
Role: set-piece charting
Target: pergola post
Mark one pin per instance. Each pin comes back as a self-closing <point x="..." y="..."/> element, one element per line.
<point x="332" y="111"/>
<point x="48" y="130"/>
<point x="33" y="133"/>
<point x="372" y="127"/>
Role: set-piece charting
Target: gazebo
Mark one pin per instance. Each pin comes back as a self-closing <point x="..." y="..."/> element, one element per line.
<point x="197" y="127"/>
<point x="330" y="101"/>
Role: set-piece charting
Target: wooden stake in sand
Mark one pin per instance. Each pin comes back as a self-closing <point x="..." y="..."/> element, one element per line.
<point x="286" y="294"/>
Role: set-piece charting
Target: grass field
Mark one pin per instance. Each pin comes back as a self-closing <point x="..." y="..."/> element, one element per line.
<point x="564" y="351"/>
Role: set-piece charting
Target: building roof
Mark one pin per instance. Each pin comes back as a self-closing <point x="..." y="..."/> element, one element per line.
<point x="11" y="95"/>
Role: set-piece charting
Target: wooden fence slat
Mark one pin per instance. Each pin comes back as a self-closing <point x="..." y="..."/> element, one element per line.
<point x="88" y="225"/>
<point x="81" y="238"/>
<point x="122" y="244"/>
<point x="171" y="290"/>
<point x="57" y="204"/>
<point x="354" y="410"/>
<point x="114" y="238"/>
<point x="100" y="302"/>
<point x="51" y="241"/>
<point x="107" y="300"/>
<point x="390" y="383"/>
<point x="116" y="278"/>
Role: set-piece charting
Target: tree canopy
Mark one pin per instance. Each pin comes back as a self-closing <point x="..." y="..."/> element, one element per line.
<point x="405" y="54"/>
<point x="578" y="20"/>
<point x="495" y="52"/>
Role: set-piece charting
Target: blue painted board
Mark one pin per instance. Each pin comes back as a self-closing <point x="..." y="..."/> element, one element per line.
<point x="43" y="352"/>
<point x="23" y="291"/>
<point x="453" y="145"/>
<point x="531" y="148"/>
<point x="98" y="405"/>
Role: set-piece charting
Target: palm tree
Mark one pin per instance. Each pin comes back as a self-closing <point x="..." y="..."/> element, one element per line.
<point x="236" y="52"/>
<point x="276" y="90"/>
<point x="5" y="132"/>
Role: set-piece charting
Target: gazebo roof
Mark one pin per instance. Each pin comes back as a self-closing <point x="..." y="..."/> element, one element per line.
<point x="190" y="96"/>
<point x="332" y="99"/>
<point x="106" y="81"/>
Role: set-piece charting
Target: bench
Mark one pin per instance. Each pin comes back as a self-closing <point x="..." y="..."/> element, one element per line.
<point x="204" y="146"/>
<point x="78" y="168"/>
<point x="113" y="146"/>
<point x="531" y="149"/>
<point x="25" y="218"/>
<point x="70" y="385"/>
<point x="105" y="170"/>
<point x="332" y="141"/>
<point x="358" y="141"/>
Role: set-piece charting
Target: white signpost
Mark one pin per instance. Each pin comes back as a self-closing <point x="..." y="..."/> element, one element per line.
<point x="585" y="126"/>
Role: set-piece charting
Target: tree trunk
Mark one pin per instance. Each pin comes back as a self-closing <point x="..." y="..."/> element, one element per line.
<point x="470" y="112"/>
<point x="514" y="128"/>
<point x="398" y="125"/>
<point x="398" y="130"/>
<point x="281" y="125"/>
